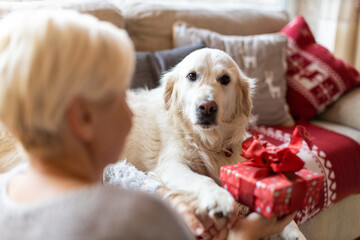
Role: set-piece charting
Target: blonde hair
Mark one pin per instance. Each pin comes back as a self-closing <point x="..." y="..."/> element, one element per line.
<point x="49" y="57"/>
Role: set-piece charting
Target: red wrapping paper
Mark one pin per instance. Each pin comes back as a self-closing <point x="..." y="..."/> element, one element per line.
<point x="274" y="194"/>
<point x="272" y="181"/>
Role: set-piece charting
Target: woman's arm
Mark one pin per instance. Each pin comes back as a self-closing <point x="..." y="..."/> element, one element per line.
<point x="125" y="175"/>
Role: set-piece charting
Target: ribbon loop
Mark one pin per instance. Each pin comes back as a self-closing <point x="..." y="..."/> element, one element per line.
<point x="276" y="159"/>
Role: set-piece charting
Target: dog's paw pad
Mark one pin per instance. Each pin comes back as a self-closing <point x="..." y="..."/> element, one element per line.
<point x="218" y="203"/>
<point x="219" y="214"/>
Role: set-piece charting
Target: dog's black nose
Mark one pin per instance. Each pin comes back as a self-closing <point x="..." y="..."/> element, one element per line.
<point x="207" y="108"/>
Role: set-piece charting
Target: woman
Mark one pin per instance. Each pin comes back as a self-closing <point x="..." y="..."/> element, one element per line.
<point x="63" y="78"/>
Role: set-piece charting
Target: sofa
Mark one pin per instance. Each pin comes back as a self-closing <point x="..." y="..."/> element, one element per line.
<point x="165" y="32"/>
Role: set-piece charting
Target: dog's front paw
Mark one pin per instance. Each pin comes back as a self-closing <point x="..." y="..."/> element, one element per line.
<point x="217" y="202"/>
<point x="292" y="232"/>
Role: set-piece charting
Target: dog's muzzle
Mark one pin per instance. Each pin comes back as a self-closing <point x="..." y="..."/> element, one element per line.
<point x="206" y="112"/>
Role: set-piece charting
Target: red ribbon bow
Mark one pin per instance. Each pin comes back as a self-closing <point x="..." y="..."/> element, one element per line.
<point x="276" y="159"/>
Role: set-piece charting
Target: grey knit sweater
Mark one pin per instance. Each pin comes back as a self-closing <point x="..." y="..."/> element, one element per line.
<point x="97" y="212"/>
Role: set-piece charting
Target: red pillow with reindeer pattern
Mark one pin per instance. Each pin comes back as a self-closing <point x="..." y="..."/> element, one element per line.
<point x="315" y="78"/>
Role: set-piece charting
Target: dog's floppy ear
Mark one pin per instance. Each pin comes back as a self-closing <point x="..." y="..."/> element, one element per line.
<point x="245" y="88"/>
<point x="168" y="82"/>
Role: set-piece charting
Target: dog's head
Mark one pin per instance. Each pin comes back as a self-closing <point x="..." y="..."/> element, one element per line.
<point x="207" y="89"/>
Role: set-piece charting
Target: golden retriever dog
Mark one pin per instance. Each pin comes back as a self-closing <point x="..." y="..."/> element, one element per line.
<point x="186" y="129"/>
<point x="191" y="125"/>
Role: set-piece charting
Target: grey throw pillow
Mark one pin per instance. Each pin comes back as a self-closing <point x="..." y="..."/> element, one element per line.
<point x="150" y="66"/>
<point x="262" y="57"/>
<point x="147" y="72"/>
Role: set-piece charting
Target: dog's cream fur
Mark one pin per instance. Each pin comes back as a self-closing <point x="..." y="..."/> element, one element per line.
<point x="167" y="138"/>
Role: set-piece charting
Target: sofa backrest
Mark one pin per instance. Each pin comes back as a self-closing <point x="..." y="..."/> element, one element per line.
<point x="102" y="9"/>
<point x="150" y="24"/>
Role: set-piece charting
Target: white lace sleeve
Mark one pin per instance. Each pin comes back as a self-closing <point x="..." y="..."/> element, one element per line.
<point x="126" y="175"/>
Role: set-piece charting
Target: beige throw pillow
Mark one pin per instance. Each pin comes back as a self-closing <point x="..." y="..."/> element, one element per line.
<point x="262" y="57"/>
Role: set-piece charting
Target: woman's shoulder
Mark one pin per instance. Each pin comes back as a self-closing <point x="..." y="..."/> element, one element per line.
<point x="96" y="212"/>
<point x="143" y="216"/>
<point x="128" y="203"/>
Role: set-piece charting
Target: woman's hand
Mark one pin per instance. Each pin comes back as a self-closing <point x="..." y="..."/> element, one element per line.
<point x="185" y="207"/>
<point x="201" y="225"/>
<point x="255" y="226"/>
<point x="251" y="227"/>
<point x="214" y="230"/>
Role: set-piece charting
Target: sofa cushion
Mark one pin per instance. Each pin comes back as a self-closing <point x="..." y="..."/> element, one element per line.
<point x="345" y="111"/>
<point x="150" y="24"/>
<point x="102" y="9"/>
<point x="326" y="225"/>
<point x="261" y="57"/>
<point x="150" y="66"/>
<point x="315" y="77"/>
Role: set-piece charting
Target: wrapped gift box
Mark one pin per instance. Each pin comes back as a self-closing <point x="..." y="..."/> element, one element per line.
<point x="271" y="194"/>
<point x="273" y="181"/>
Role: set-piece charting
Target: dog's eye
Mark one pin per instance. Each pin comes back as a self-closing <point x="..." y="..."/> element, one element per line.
<point x="192" y="76"/>
<point x="224" y="80"/>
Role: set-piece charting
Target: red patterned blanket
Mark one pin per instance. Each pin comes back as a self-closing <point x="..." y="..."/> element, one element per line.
<point x="336" y="156"/>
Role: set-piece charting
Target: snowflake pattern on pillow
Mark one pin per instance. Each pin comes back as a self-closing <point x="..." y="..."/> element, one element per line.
<point x="315" y="78"/>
